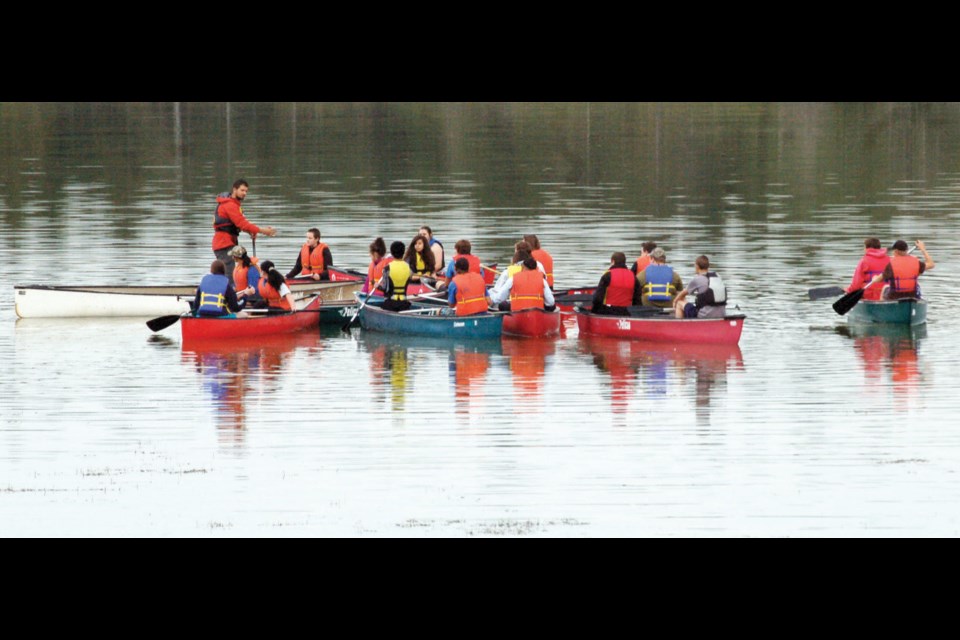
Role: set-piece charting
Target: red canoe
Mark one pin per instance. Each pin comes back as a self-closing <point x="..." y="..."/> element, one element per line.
<point x="570" y="299"/>
<point x="663" y="328"/>
<point x="255" y="325"/>
<point x="532" y="323"/>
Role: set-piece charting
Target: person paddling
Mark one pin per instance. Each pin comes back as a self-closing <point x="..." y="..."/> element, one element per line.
<point x="216" y="297"/>
<point x="902" y="273"/>
<point x="229" y="221"/>
<point x="314" y="258"/>
<point x="618" y="289"/>
<point x="873" y="263"/>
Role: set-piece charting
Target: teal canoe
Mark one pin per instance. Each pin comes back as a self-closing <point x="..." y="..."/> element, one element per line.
<point x="427" y="321"/>
<point x="910" y="311"/>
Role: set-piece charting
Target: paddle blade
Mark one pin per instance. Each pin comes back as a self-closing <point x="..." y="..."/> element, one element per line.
<point x="158" y="324"/>
<point x="847" y="302"/>
<point x="825" y="292"/>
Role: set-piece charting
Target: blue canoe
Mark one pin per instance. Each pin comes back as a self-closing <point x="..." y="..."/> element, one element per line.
<point x="910" y="311"/>
<point x="426" y="321"/>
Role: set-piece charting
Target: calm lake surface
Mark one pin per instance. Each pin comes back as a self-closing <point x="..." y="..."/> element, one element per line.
<point x="808" y="428"/>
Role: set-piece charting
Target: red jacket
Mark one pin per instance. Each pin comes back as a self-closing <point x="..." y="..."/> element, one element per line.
<point x="871" y="264"/>
<point x="229" y="208"/>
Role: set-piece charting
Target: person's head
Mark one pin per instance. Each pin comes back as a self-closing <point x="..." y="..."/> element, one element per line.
<point x="659" y="256"/>
<point x="533" y="241"/>
<point x="461" y="265"/>
<point x="521" y="251"/>
<point x="618" y="259"/>
<point x="900" y="247"/>
<point x="275" y="278"/>
<point x="530" y="264"/>
<point x="378" y="249"/>
<point x="218" y="268"/>
<point x="313" y="237"/>
<point x="265" y="266"/>
<point x="239" y="254"/>
<point x="648" y="247"/>
<point x="240" y="188"/>
<point x="420" y="245"/>
<point x="463" y="247"/>
<point x="871" y="243"/>
<point x="396" y="249"/>
<point x="702" y="263"/>
<point x="427" y="232"/>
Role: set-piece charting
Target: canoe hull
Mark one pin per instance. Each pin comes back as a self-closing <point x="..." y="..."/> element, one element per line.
<point x="39" y="301"/>
<point x="570" y="299"/>
<point x="910" y="311"/>
<point x="532" y="323"/>
<point x="437" y="326"/>
<point x="205" y="329"/>
<point x="663" y="328"/>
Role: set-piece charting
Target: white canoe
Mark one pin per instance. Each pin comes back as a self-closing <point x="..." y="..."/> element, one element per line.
<point x="41" y="301"/>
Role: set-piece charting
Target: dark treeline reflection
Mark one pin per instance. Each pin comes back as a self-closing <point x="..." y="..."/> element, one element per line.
<point x="706" y="159"/>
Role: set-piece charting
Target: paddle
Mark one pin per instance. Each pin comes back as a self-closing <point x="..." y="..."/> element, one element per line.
<point x="356" y="316"/>
<point x="826" y="292"/>
<point x="158" y="324"/>
<point x="849" y="301"/>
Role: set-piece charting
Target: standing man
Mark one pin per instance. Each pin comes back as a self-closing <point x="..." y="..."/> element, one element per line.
<point x="229" y="221"/>
<point x="314" y="258"/>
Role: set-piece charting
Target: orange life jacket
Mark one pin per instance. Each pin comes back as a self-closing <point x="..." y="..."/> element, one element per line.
<point x="471" y="293"/>
<point x="311" y="261"/>
<point x="272" y="296"/>
<point x="527" y="290"/>
<point x="546" y="260"/>
<point x="240" y="274"/>
<point x="642" y="263"/>
<point x="620" y="289"/>
<point x="906" y="269"/>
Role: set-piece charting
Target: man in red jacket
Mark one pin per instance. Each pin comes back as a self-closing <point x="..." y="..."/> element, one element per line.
<point x="229" y="221"/>
<point x="872" y="264"/>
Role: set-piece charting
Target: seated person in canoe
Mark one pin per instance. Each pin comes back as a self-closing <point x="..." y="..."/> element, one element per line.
<point x="420" y="259"/>
<point x="464" y="248"/>
<point x="246" y="278"/>
<point x="526" y="289"/>
<point x="618" y="288"/>
<point x="274" y="289"/>
<point x="216" y="297"/>
<point x="540" y="255"/>
<point x="708" y="292"/>
<point x="644" y="260"/>
<point x="873" y="263"/>
<point x="314" y="258"/>
<point x="521" y="251"/>
<point x="396" y="277"/>
<point x="659" y="282"/>
<point x="379" y="258"/>
<point x="902" y="273"/>
<point x="436" y="247"/>
<point x="467" y="292"/>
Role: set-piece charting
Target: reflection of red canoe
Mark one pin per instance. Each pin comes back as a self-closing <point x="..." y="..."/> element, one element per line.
<point x="261" y="325"/>
<point x="532" y="323"/>
<point x="620" y="354"/>
<point x="663" y="328"/>
<point x="279" y="343"/>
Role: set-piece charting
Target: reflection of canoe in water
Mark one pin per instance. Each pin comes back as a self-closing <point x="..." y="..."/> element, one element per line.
<point x="681" y="353"/>
<point x="909" y="311"/>
<point x="426" y="323"/>
<point x="532" y="323"/>
<point x="662" y="327"/>
<point x="40" y="301"/>
<point x="194" y="329"/>
<point x="883" y="330"/>
<point x="372" y="340"/>
<point x="278" y="343"/>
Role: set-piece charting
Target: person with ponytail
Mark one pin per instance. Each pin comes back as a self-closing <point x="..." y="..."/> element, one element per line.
<point x="274" y="289"/>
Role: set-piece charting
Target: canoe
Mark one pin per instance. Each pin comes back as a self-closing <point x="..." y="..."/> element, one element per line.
<point x="663" y="327"/>
<point x="568" y="300"/>
<point x="426" y="321"/>
<point x="199" y="329"/>
<point x="909" y="311"/>
<point x="532" y="323"/>
<point x="51" y="301"/>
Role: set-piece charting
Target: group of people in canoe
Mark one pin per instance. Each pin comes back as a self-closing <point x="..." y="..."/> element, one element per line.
<point x="899" y="271"/>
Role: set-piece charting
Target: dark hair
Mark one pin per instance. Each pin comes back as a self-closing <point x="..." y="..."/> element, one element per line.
<point x="265" y="266"/>
<point x="619" y="258"/>
<point x="530" y="263"/>
<point x="533" y="241"/>
<point x="520" y="251"/>
<point x="703" y="262"/>
<point x="218" y="267"/>
<point x="649" y="246"/>
<point x="429" y="230"/>
<point x="275" y="278"/>
<point x="427" y="254"/>
<point x="899" y="245"/>
<point x="315" y="232"/>
<point x="463" y="247"/>
<point x="378" y="247"/>
<point x="872" y="243"/>
<point x="240" y="182"/>
<point x="396" y="249"/>
<point x="461" y="265"/>
<point x="245" y="259"/>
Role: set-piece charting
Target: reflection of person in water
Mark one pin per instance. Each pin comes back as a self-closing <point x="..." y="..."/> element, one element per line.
<point x="528" y="362"/>
<point x="467" y="372"/>
<point x="893" y="351"/>
<point x="388" y="370"/>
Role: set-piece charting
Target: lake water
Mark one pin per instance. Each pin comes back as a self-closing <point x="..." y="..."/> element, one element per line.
<point x="808" y="428"/>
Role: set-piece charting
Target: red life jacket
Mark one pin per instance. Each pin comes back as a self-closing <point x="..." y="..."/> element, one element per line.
<point x="906" y="269"/>
<point x="272" y="296"/>
<point x="527" y="290"/>
<point x="873" y="263"/>
<point x="311" y="261"/>
<point x="471" y="293"/>
<point x="620" y="289"/>
<point x="240" y="274"/>
<point x="546" y="260"/>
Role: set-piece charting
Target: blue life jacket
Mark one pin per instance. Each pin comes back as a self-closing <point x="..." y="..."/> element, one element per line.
<point x="213" y="295"/>
<point x="659" y="286"/>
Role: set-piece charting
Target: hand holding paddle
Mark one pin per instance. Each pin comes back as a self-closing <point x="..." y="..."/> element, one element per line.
<point x="849" y="301"/>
